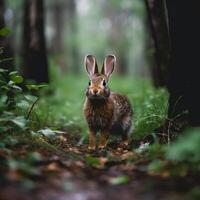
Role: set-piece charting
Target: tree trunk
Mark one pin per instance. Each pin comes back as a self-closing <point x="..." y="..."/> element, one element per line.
<point x="184" y="79"/>
<point x="58" y="10"/>
<point x="58" y="22"/>
<point x="6" y="52"/>
<point x="156" y="13"/>
<point x="35" y="64"/>
<point x="74" y="53"/>
<point x="182" y="74"/>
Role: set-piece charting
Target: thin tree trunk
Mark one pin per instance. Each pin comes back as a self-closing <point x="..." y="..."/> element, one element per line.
<point x="156" y="13"/>
<point x="58" y="22"/>
<point x="74" y="53"/>
<point x="35" y="64"/>
<point x="58" y="10"/>
<point x="6" y="51"/>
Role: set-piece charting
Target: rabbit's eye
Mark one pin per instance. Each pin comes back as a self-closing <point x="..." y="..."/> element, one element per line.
<point x="104" y="83"/>
<point x="89" y="83"/>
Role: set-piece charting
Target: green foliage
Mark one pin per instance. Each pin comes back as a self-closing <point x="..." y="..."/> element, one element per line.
<point x="5" y="31"/>
<point x="16" y="78"/>
<point x="15" y="107"/>
<point x="92" y="161"/>
<point x="120" y="180"/>
<point x="64" y="107"/>
<point x="150" y="106"/>
<point x="155" y="150"/>
<point x="195" y="192"/>
<point x="10" y="94"/>
<point x="156" y="166"/>
<point x="35" y="87"/>
<point x="13" y="98"/>
<point x="177" y="159"/>
<point x="186" y="148"/>
<point x="26" y="166"/>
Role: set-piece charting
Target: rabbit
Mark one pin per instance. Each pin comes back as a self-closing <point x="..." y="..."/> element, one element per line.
<point x="104" y="110"/>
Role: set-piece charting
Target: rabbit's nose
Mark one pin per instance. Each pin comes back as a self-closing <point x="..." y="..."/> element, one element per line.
<point x="95" y="92"/>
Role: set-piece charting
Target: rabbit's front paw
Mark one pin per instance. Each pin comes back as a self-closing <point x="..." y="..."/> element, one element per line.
<point x="92" y="141"/>
<point x="91" y="147"/>
<point x="102" y="146"/>
<point x="103" y="140"/>
<point x="125" y="143"/>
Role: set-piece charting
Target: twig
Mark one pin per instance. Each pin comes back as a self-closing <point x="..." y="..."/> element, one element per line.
<point x="177" y="101"/>
<point x="31" y="108"/>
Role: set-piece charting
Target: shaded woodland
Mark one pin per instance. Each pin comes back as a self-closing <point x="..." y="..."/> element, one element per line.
<point x="43" y="134"/>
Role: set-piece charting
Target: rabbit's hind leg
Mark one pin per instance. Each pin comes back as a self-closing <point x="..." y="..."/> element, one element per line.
<point x="127" y="129"/>
<point x="125" y="139"/>
<point x="92" y="140"/>
<point x="103" y="139"/>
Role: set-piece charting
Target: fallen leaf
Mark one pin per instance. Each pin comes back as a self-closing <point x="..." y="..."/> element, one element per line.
<point x="14" y="175"/>
<point x="53" y="167"/>
<point x="74" y="150"/>
<point x="127" y="155"/>
<point x="119" y="180"/>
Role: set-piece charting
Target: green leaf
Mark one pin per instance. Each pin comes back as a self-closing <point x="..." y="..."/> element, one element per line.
<point x="32" y="87"/>
<point x="3" y="70"/>
<point x="23" y="104"/>
<point x="119" y="180"/>
<point x="17" y="87"/>
<point x="5" y="59"/>
<point x="42" y="85"/>
<point x="92" y="161"/>
<point x="5" y="31"/>
<point x="156" y="166"/>
<point x="13" y="73"/>
<point x="20" y="121"/>
<point x="4" y="88"/>
<point x="34" y="157"/>
<point x="3" y="82"/>
<point x="30" y="98"/>
<point x="10" y="83"/>
<point x="47" y="132"/>
<point x="16" y="78"/>
<point x="186" y="148"/>
<point x="35" y="87"/>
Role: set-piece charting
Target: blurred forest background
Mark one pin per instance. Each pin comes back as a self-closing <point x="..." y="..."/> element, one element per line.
<point x="46" y="42"/>
<point x="73" y="29"/>
<point x="42" y="83"/>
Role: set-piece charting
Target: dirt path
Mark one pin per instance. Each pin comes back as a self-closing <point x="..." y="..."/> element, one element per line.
<point x="74" y="173"/>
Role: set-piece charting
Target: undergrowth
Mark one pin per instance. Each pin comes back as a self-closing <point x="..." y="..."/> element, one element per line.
<point x="63" y="107"/>
<point x="38" y="120"/>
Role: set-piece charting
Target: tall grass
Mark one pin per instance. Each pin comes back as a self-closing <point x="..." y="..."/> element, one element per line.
<point x="63" y="107"/>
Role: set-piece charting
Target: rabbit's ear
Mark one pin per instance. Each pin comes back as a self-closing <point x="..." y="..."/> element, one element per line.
<point x="91" y="65"/>
<point x="108" y="65"/>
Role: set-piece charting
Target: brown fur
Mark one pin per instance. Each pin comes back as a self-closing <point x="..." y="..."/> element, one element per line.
<point x="105" y="111"/>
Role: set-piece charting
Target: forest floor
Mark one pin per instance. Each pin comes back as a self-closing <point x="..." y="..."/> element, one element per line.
<point x="68" y="170"/>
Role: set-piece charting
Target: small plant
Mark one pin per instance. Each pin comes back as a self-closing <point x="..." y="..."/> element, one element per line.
<point x="186" y="148"/>
<point x="178" y="159"/>
<point x="16" y="103"/>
